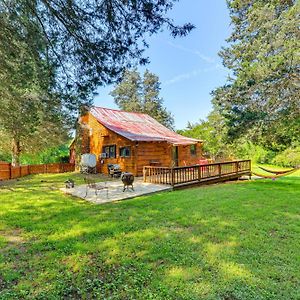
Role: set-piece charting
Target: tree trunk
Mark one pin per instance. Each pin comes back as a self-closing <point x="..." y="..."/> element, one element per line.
<point x="15" y="152"/>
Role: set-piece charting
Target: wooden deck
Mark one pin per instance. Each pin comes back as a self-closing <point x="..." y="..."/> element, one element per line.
<point x="197" y="174"/>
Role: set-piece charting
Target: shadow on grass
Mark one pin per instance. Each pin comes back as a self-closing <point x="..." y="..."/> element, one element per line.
<point x="221" y="242"/>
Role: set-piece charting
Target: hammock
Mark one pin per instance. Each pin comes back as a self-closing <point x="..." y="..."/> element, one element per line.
<point x="277" y="172"/>
<point x="275" y="175"/>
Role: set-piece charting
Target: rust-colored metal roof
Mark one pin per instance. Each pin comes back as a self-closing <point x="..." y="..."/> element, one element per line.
<point x="138" y="126"/>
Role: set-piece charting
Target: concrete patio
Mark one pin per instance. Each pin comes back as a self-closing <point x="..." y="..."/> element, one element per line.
<point x="115" y="191"/>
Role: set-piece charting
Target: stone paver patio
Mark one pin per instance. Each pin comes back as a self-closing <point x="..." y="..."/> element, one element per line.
<point x="115" y="191"/>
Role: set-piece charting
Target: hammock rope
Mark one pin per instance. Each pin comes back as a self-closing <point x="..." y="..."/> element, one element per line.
<point x="275" y="175"/>
<point x="277" y="171"/>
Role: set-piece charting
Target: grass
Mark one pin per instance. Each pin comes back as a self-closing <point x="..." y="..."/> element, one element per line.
<point x="226" y="241"/>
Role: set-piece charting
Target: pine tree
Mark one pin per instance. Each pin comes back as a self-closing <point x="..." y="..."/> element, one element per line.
<point x="262" y="95"/>
<point x="89" y="42"/>
<point x="137" y="95"/>
<point x="54" y="54"/>
<point x="30" y="117"/>
<point x="128" y="94"/>
<point x="152" y="102"/>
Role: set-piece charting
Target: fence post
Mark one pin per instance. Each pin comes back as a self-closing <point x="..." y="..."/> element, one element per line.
<point x="199" y="173"/>
<point x="10" y="171"/>
<point x="236" y="167"/>
<point x="219" y="169"/>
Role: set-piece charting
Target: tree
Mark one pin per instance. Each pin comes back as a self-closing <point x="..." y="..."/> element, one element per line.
<point x="152" y="102"/>
<point x="213" y="132"/>
<point x="128" y="93"/>
<point x="30" y="116"/>
<point x="53" y="54"/>
<point x="90" y="42"/>
<point x="262" y="95"/>
<point x="142" y="95"/>
<point x="27" y="126"/>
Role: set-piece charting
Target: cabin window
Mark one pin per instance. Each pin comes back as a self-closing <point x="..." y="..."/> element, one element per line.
<point x="125" y="152"/>
<point x="193" y="150"/>
<point x="110" y="151"/>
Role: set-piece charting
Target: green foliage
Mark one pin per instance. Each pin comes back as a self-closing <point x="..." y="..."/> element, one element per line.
<point x="245" y="149"/>
<point x="88" y="42"/>
<point x="261" y="98"/>
<point x="288" y="158"/>
<point x="52" y="155"/>
<point x="142" y="95"/>
<point x="5" y="156"/>
<point x="127" y="94"/>
<point x="31" y="117"/>
<point x="227" y="241"/>
<point x="53" y="55"/>
<point x="213" y="132"/>
<point x="257" y="113"/>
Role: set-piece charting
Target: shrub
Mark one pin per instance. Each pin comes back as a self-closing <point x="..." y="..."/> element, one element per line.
<point x="248" y="150"/>
<point x="5" y="156"/>
<point x="51" y="155"/>
<point x="288" y="158"/>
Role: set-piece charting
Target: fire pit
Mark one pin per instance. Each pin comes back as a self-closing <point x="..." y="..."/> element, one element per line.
<point x="127" y="179"/>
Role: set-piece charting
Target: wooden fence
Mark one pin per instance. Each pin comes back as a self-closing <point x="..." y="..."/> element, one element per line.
<point x="198" y="173"/>
<point x="7" y="171"/>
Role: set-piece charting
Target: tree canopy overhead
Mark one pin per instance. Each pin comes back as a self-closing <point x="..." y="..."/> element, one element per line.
<point x="55" y="53"/>
<point x="262" y="95"/>
<point x="90" y="42"/>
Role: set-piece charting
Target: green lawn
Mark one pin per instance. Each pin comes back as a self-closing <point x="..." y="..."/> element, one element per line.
<point x="226" y="241"/>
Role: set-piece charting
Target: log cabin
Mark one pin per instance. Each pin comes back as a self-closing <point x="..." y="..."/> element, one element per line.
<point x="132" y="140"/>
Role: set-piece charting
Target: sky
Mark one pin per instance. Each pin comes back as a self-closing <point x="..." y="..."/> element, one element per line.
<point x="188" y="67"/>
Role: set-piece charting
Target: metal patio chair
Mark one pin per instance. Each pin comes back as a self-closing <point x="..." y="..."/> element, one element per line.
<point x="91" y="184"/>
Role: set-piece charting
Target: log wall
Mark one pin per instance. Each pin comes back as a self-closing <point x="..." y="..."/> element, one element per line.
<point x="100" y="136"/>
<point x="142" y="153"/>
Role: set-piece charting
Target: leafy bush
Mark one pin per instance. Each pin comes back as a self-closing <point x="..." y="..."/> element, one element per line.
<point x="248" y="150"/>
<point x="288" y="158"/>
<point x="5" y="157"/>
<point x="51" y="155"/>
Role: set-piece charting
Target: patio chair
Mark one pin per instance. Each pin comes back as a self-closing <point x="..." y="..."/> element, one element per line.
<point x="91" y="184"/>
<point x="114" y="170"/>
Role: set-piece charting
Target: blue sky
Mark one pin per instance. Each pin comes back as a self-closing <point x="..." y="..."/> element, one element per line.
<point x="189" y="68"/>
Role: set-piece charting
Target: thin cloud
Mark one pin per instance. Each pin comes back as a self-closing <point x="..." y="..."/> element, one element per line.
<point x="185" y="76"/>
<point x="208" y="59"/>
<point x="192" y="74"/>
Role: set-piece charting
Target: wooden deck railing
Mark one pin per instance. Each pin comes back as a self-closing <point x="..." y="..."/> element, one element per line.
<point x="197" y="173"/>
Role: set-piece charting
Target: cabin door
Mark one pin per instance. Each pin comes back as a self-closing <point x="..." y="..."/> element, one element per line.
<point x="175" y="156"/>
